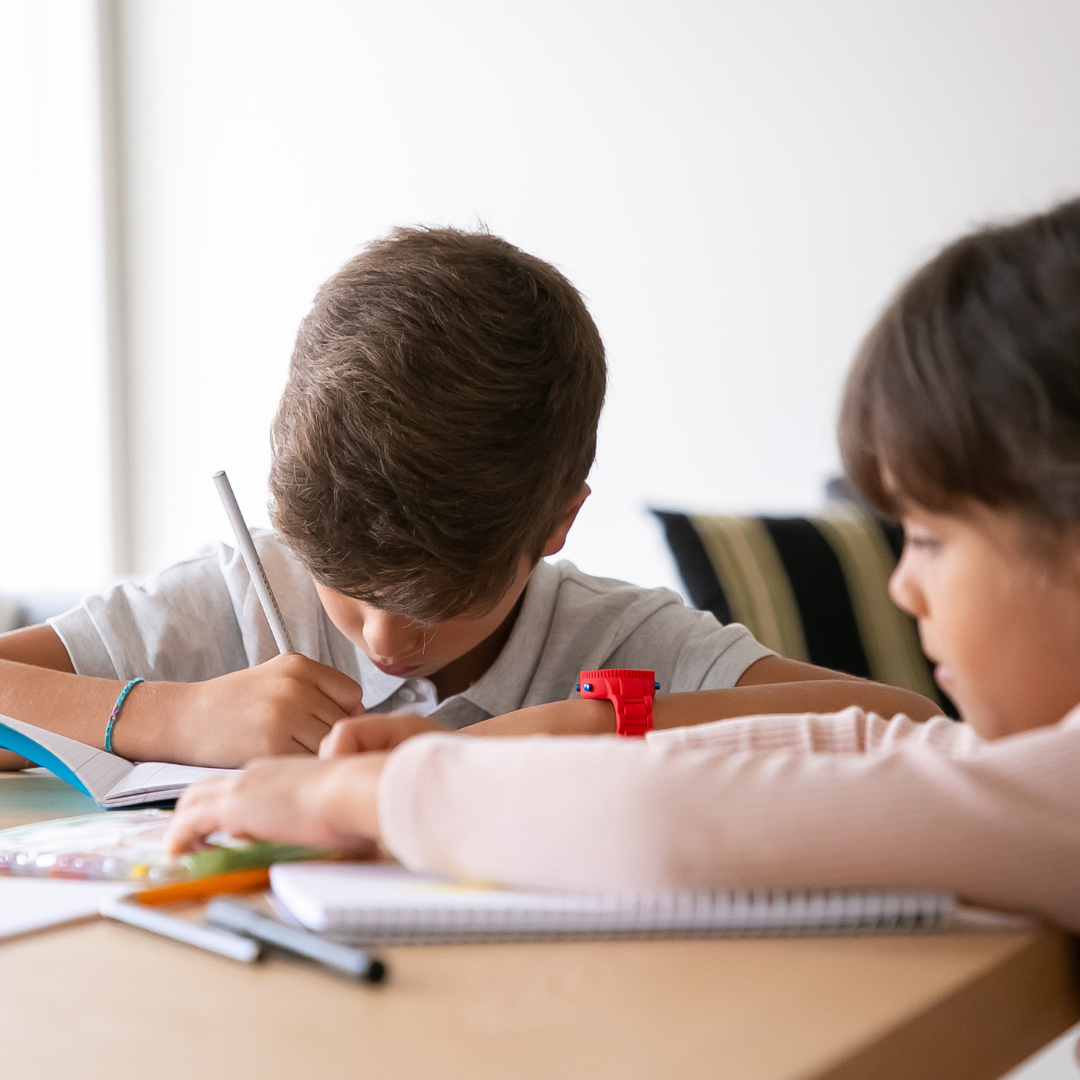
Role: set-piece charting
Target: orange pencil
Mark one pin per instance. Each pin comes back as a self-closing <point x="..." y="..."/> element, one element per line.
<point x="200" y="888"/>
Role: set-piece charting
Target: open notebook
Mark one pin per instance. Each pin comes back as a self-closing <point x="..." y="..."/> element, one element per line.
<point x="361" y="903"/>
<point x="109" y="780"/>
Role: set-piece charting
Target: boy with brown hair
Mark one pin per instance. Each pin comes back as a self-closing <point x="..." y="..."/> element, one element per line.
<point x="431" y="447"/>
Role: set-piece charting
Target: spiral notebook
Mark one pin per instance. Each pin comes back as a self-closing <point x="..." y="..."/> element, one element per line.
<point x="367" y="903"/>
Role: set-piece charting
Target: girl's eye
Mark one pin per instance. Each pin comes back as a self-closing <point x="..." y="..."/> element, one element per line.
<point x="923" y="543"/>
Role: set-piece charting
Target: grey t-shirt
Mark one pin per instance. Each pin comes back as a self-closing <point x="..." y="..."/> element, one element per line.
<point x="201" y="618"/>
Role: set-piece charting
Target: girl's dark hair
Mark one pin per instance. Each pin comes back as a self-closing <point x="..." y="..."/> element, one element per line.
<point x="968" y="387"/>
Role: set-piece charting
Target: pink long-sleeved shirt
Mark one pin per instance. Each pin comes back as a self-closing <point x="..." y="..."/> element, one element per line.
<point x="846" y="799"/>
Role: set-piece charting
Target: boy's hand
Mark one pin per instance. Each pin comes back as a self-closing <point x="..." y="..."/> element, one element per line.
<point x="331" y="804"/>
<point x="376" y="731"/>
<point x="285" y="706"/>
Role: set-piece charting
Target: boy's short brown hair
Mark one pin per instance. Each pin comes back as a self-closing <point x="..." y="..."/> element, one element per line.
<point x="439" y="419"/>
<point x="968" y="387"/>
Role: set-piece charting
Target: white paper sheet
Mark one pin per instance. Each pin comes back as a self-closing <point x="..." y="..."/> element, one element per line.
<point x="32" y="903"/>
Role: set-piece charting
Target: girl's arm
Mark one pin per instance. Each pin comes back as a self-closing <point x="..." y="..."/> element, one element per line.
<point x="993" y="822"/>
<point x="851" y="731"/>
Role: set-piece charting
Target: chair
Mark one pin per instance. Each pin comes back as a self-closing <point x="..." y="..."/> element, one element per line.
<point x="813" y="588"/>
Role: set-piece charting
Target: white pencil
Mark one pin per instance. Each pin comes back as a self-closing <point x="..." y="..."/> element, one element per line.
<point x="254" y="564"/>
<point x="205" y="937"/>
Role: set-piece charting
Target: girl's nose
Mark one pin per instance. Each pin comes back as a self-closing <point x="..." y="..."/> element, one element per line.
<point x="904" y="587"/>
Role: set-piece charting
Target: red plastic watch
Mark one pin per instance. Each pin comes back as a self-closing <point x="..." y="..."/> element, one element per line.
<point x="630" y="691"/>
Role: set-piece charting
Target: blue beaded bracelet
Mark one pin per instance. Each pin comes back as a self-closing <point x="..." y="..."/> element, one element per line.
<point x="116" y="712"/>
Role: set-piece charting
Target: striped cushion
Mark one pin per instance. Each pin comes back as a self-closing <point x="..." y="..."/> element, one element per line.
<point x="812" y="588"/>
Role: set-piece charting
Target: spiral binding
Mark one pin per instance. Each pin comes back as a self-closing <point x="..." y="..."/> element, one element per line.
<point x="751" y="913"/>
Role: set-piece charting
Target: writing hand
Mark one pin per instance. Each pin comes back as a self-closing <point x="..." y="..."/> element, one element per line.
<point x="285" y="706"/>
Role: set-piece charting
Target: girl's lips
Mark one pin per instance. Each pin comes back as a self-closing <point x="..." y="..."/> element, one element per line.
<point x="942" y="674"/>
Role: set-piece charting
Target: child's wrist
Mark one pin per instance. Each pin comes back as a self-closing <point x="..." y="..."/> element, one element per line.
<point x="348" y="796"/>
<point x="598" y="716"/>
<point x="146" y="728"/>
<point x="572" y="717"/>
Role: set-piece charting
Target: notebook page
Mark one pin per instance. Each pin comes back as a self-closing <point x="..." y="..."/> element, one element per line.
<point x="159" y="780"/>
<point x="93" y="770"/>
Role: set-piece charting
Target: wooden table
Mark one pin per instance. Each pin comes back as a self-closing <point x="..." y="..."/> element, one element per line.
<point x="100" y="1000"/>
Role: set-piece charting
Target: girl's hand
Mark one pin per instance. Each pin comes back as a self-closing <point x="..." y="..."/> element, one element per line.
<point x="375" y="731"/>
<point x="291" y="800"/>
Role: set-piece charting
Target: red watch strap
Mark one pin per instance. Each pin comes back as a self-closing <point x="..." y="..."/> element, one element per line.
<point x="630" y="690"/>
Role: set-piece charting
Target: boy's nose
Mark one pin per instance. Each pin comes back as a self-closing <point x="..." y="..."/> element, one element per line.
<point x="392" y="637"/>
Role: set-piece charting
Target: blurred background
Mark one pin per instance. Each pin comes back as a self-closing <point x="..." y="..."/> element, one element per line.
<point x="736" y="188"/>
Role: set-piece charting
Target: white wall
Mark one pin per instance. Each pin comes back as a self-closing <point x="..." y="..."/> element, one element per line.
<point x="54" y="475"/>
<point x="735" y="187"/>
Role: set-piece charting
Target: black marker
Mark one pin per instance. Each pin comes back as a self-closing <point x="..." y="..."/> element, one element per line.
<point x="230" y="915"/>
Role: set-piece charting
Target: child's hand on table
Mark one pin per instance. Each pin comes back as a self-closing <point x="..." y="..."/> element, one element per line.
<point x="286" y="706"/>
<point x="291" y="800"/>
<point x="374" y="731"/>
<point x="384" y="731"/>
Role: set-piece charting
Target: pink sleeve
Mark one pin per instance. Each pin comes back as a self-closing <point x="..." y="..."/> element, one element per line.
<point x="849" y="732"/>
<point x="997" y="823"/>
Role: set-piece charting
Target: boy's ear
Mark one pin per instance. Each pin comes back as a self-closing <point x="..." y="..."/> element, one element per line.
<point x="558" y="537"/>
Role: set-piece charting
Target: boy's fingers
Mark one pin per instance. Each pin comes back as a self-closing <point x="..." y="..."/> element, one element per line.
<point x="310" y="739"/>
<point x="345" y="693"/>
<point x="314" y="717"/>
<point x="309" y="699"/>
